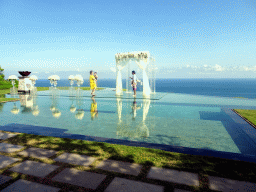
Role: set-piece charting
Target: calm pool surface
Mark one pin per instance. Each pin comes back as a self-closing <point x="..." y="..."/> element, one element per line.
<point x="170" y="119"/>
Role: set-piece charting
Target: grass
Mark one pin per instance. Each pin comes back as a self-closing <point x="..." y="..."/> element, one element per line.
<point x="4" y="91"/>
<point x="237" y="170"/>
<point x="250" y="115"/>
<point x="2" y="100"/>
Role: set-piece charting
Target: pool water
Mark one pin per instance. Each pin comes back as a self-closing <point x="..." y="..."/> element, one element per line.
<point x="198" y="122"/>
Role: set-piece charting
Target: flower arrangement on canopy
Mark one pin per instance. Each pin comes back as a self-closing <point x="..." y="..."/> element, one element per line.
<point x="33" y="78"/>
<point x="132" y="55"/>
<point x="71" y="78"/>
<point x="53" y="79"/>
<point x="79" y="80"/>
<point x="13" y="78"/>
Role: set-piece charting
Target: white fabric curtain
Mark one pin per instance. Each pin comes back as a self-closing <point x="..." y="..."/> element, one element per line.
<point x="142" y="63"/>
<point x="143" y="129"/>
<point x="120" y="65"/>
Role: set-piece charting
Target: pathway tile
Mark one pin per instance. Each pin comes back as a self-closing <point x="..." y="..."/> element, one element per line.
<point x="38" y="153"/>
<point x="180" y="190"/>
<point x="80" y="178"/>
<point x="126" y="185"/>
<point x="120" y="167"/>
<point x="75" y="159"/>
<point x="6" y="135"/>
<point x="28" y="186"/>
<point x="173" y="176"/>
<point x="5" y="161"/>
<point x="9" y="148"/>
<point x="223" y="184"/>
<point x="4" y="179"/>
<point x="34" y="168"/>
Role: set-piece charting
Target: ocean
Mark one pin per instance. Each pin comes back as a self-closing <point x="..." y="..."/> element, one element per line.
<point x="210" y="87"/>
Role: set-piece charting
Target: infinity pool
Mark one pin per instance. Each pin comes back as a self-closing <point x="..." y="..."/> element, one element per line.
<point x="197" y="122"/>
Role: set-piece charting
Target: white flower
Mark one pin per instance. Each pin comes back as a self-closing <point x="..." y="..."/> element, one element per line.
<point x="55" y="77"/>
<point x="12" y="77"/>
<point x="33" y="77"/>
<point x="71" y="77"/>
<point x="78" y="78"/>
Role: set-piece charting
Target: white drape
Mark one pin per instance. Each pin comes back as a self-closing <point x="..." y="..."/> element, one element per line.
<point x="142" y="63"/>
<point x="120" y="65"/>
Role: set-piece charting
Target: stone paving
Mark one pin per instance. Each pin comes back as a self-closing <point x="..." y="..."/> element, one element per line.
<point x="34" y="168"/>
<point x="120" y="167"/>
<point x="75" y="159"/>
<point x="23" y="185"/>
<point x="174" y="176"/>
<point x="80" y="178"/>
<point x="6" y="135"/>
<point x="5" y="161"/>
<point x="38" y="153"/>
<point x="9" y="148"/>
<point x="180" y="181"/>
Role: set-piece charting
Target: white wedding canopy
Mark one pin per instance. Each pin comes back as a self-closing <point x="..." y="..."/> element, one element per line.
<point x="142" y="60"/>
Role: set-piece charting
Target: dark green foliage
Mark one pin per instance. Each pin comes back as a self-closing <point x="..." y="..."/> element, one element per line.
<point x="5" y="84"/>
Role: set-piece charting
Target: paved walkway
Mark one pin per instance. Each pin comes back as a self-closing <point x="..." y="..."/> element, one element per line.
<point x="72" y="172"/>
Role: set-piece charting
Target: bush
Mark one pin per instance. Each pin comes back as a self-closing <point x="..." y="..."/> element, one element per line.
<point x="8" y="84"/>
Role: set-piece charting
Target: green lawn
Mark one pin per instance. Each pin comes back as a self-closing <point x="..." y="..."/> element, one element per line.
<point x="250" y="115"/>
<point x="8" y="99"/>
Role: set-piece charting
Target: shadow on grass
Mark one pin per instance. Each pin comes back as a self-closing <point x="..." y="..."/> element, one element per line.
<point x="237" y="170"/>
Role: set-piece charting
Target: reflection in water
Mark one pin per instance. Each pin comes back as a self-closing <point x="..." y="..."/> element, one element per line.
<point x="28" y="103"/>
<point x="129" y="128"/>
<point x="13" y="92"/>
<point x="26" y="100"/>
<point x="94" y="110"/>
<point x="134" y="109"/>
<point x="55" y="95"/>
<point x="79" y="102"/>
<point x="15" y="109"/>
<point x="35" y="108"/>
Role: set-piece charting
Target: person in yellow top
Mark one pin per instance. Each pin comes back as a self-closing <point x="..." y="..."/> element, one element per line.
<point x="92" y="83"/>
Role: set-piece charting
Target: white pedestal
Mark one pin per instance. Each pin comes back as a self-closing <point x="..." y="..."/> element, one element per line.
<point x="25" y="85"/>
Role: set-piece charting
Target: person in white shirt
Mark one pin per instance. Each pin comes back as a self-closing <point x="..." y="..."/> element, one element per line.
<point x="134" y="82"/>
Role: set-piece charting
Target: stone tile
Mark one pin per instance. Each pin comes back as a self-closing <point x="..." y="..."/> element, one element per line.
<point x="5" y="161"/>
<point x="120" y="167"/>
<point x="125" y="185"/>
<point x="9" y="148"/>
<point x="28" y="186"/>
<point x="34" y="168"/>
<point x="223" y="184"/>
<point x="6" y="135"/>
<point x="180" y="190"/>
<point x="4" y="179"/>
<point x="174" y="176"/>
<point x="79" y="178"/>
<point x="38" y="153"/>
<point x="75" y="159"/>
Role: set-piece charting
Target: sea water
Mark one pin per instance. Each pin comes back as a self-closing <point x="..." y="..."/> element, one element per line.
<point x="209" y="87"/>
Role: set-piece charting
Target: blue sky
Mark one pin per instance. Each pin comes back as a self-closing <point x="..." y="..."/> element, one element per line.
<point x="189" y="39"/>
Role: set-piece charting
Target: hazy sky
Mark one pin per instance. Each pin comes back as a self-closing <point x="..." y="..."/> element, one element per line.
<point x="189" y="39"/>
